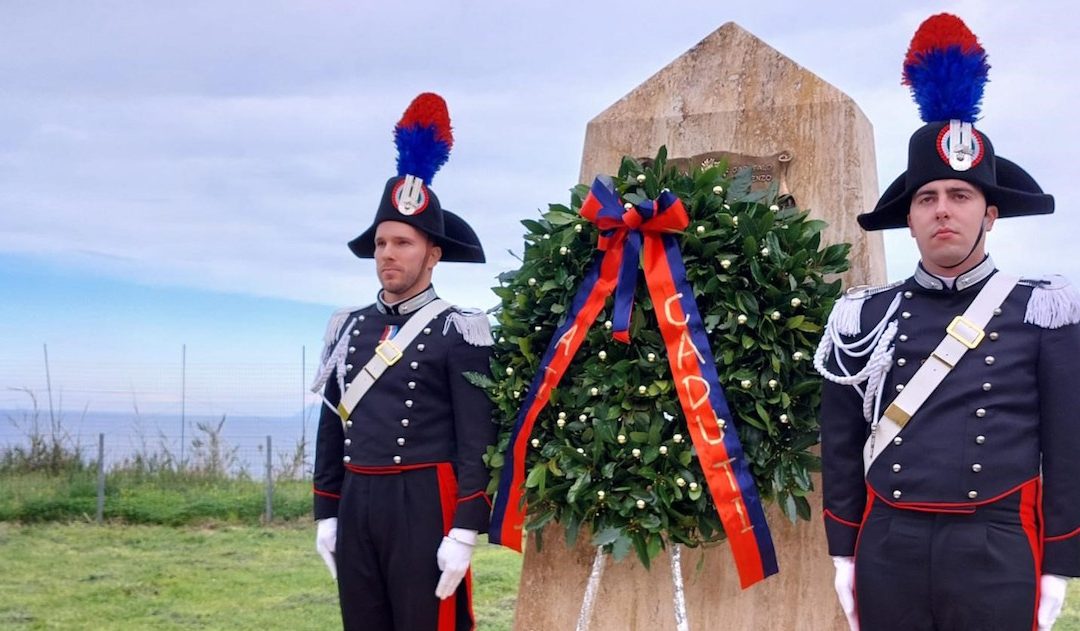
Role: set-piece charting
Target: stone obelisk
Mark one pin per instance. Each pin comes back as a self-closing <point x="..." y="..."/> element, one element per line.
<point x="729" y="93"/>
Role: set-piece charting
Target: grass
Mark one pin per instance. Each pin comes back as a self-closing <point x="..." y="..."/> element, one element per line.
<point x="182" y="548"/>
<point x="1070" y="615"/>
<point x="219" y="576"/>
<point x="84" y="576"/>
<point x="162" y="498"/>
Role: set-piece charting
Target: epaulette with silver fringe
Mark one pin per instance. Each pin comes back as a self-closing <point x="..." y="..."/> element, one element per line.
<point x="335" y="348"/>
<point x="472" y="324"/>
<point x="333" y="328"/>
<point x="846" y="316"/>
<point x="1054" y="302"/>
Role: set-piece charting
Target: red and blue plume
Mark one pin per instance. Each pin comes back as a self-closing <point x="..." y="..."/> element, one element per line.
<point x="946" y="69"/>
<point x="423" y="137"/>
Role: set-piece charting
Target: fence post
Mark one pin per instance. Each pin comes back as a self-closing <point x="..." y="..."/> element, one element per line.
<point x="303" y="408"/>
<point x="269" y="480"/>
<point x="183" y="400"/>
<point x="101" y="479"/>
<point x="48" y="387"/>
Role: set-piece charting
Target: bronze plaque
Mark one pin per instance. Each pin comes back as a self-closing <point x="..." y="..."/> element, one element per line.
<point x="766" y="169"/>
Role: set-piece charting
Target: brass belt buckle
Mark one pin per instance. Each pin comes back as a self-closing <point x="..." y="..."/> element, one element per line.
<point x="897" y="415"/>
<point x="965" y="331"/>
<point x="389" y="360"/>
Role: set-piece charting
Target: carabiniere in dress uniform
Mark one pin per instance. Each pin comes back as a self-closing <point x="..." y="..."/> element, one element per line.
<point x="949" y="432"/>
<point x="400" y="483"/>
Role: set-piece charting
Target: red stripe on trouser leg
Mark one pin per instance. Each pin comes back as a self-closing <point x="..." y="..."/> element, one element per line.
<point x="447" y="493"/>
<point x="468" y="597"/>
<point x="855" y="577"/>
<point x="1031" y="520"/>
<point x="448" y="501"/>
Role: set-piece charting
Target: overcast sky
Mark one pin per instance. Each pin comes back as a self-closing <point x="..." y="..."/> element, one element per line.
<point x="189" y="172"/>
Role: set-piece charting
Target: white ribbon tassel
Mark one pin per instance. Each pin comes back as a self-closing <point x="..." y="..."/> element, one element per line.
<point x="681" y="623"/>
<point x="584" y="620"/>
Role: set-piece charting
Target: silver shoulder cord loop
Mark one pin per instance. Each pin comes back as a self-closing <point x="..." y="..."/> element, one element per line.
<point x="878" y="343"/>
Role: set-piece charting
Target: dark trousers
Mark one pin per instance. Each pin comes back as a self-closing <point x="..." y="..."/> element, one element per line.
<point x="933" y="571"/>
<point x="390" y="526"/>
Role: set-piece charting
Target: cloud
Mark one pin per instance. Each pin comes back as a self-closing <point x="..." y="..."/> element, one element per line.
<point x="236" y="146"/>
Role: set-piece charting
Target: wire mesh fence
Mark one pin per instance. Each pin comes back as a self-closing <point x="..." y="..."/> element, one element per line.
<point x="205" y="419"/>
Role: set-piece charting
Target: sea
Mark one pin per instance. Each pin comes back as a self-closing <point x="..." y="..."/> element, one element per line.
<point x="178" y="438"/>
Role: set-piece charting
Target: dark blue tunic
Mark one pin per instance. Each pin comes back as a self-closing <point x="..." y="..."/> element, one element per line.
<point x="979" y="493"/>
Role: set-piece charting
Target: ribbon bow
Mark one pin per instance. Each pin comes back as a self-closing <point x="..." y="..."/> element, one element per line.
<point x="621" y="231"/>
<point x="625" y="233"/>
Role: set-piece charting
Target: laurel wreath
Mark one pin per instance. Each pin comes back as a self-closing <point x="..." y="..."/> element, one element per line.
<point x="611" y="452"/>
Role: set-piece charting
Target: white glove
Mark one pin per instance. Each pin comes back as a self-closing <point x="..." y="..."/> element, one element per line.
<point x="1051" y="598"/>
<point x="844" y="583"/>
<point x="453" y="557"/>
<point x="326" y="542"/>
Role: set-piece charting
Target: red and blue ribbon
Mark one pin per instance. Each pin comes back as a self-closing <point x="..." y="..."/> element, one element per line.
<point x="648" y="228"/>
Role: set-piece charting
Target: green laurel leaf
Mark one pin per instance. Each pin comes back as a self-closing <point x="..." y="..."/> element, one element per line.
<point x="747" y="260"/>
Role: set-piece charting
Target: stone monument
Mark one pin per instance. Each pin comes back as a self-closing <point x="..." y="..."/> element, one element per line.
<point x="734" y="95"/>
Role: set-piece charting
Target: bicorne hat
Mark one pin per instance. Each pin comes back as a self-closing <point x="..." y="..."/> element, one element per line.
<point x="946" y="70"/>
<point x="423" y="138"/>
